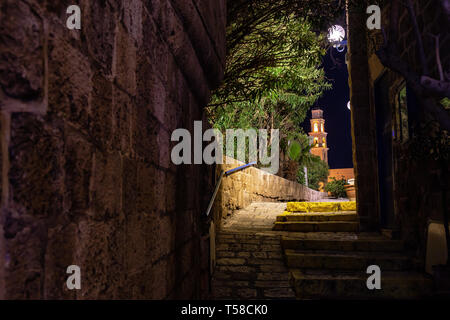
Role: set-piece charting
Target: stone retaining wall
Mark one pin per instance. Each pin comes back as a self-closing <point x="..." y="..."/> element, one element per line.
<point x="254" y="185"/>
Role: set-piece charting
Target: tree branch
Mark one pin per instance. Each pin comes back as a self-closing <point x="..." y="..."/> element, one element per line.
<point x="436" y="86"/>
<point x="389" y="57"/>
<point x="438" y="56"/>
<point x="422" y="57"/>
<point x="422" y="86"/>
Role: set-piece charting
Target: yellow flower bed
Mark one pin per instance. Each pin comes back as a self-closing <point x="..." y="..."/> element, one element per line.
<point x="297" y="206"/>
<point x="348" y="206"/>
<point x="321" y="206"/>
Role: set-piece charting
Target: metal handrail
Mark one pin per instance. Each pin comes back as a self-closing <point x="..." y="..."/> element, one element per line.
<point x="240" y="168"/>
<point x="226" y="174"/>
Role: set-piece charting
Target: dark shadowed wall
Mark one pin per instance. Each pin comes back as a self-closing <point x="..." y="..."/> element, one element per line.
<point x="415" y="184"/>
<point x="86" y="121"/>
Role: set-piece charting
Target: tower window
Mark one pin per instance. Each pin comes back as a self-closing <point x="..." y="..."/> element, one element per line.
<point x="316" y="127"/>
<point x="321" y="128"/>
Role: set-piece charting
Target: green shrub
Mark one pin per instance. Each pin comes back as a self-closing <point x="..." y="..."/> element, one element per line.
<point x="317" y="172"/>
<point x="337" y="188"/>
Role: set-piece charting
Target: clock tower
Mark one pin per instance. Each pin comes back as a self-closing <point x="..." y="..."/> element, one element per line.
<point x="318" y="135"/>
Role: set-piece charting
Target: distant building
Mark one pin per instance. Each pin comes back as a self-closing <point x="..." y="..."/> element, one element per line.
<point x="318" y="135"/>
<point x="347" y="174"/>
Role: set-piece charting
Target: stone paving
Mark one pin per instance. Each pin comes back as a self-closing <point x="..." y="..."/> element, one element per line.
<point x="250" y="267"/>
<point x="250" y="263"/>
<point x="249" y="256"/>
<point x="259" y="216"/>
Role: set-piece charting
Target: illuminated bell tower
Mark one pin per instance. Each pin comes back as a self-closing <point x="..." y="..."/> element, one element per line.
<point x="318" y="135"/>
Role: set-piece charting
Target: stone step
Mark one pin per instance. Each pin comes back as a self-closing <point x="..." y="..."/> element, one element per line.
<point x="251" y="276"/>
<point x="369" y="245"/>
<point x="248" y="247"/>
<point x="265" y="240"/>
<point x="247" y="254"/>
<point x="326" y="285"/>
<point x="329" y="226"/>
<point x="250" y="266"/>
<point x="248" y="290"/>
<point x="318" y="216"/>
<point x="358" y="261"/>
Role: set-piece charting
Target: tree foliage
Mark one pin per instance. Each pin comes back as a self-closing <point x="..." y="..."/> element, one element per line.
<point x="272" y="78"/>
<point x="274" y="47"/>
<point x="246" y="16"/>
<point x="273" y="72"/>
<point x="299" y="149"/>
<point x="336" y="188"/>
<point x="279" y="56"/>
<point x="428" y="91"/>
<point x="318" y="171"/>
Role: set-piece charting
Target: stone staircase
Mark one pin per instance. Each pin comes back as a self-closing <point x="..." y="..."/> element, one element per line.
<point x="250" y="266"/>
<point x="265" y="253"/>
<point x="336" y="269"/>
<point x="318" y="222"/>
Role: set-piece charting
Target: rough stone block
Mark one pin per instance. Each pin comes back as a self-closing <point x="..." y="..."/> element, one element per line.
<point x="247" y="293"/>
<point x="60" y="254"/>
<point x="150" y="188"/>
<point x="69" y="80"/>
<point x="230" y="261"/>
<point x="99" y="28"/>
<point x="21" y="58"/>
<point x="24" y="264"/>
<point x="101" y="111"/>
<point x="78" y="155"/>
<point x="106" y="186"/>
<point x="160" y="237"/>
<point x="124" y="114"/>
<point x="125" y="61"/>
<point x="36" y="165"/>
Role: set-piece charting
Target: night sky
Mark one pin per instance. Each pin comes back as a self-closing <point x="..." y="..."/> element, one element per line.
<point x="337" y="116"/>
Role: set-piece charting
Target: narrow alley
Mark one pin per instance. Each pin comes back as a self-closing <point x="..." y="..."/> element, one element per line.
<point x="189" y="152"/>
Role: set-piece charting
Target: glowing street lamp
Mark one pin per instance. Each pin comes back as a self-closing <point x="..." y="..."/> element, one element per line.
<point x="336" y="35"/>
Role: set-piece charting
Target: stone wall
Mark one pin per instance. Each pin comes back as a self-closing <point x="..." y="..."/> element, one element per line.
<point x="419" y="183"/>
<point x="342" y="173"/>
<point x="86" y="120"/>
<point x="240" y="189"/>
<point x="362" y="118"/>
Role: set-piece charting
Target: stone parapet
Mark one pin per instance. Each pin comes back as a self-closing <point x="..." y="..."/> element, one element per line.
<point x="255" y="185"/>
